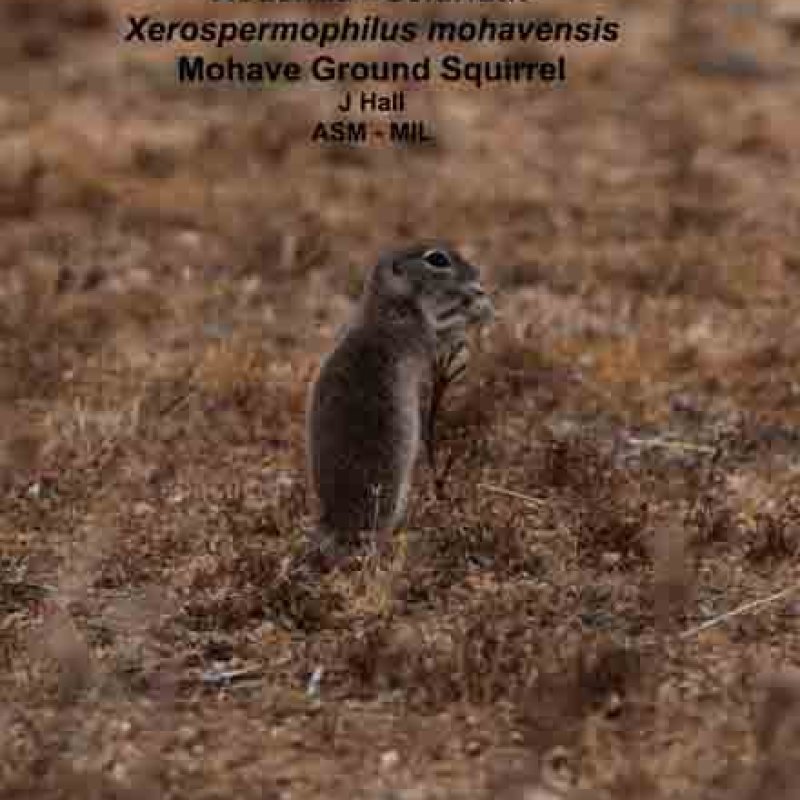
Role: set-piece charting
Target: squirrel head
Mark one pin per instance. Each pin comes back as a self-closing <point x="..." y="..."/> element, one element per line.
<point x="434" y="278"/>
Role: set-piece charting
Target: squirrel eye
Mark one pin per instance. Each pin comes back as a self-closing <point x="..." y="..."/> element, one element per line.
<point x="436" y="258"/>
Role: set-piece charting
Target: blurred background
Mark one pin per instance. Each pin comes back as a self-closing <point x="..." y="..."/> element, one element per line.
<point x="173" y="263"/>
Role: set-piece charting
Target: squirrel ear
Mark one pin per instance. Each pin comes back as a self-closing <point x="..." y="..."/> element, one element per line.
<point x="390" y="260"/>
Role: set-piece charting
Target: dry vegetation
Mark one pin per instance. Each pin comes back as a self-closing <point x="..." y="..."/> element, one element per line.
<point x="622" y="464"/>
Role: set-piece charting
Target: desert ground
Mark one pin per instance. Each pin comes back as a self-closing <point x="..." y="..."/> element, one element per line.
<point x="600" y="600"/>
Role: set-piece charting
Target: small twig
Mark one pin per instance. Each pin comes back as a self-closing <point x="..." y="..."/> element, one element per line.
<point x="441" y="474"/>
<point x="375" y="490"/>
<point x="535" y="501"/>
<point x="39" y="588"/>
<point x="175" y="403"/>
<point x="675" y="444"/>
<point x="314" y="682"/>
<point x="16" y="593"/>
<point x="738" y="611"/>
<point x="215" y="677"/>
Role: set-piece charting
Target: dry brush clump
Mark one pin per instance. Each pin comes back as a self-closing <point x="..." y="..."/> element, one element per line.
<point x="253" y="571"/>
<point x="776" y="534"/>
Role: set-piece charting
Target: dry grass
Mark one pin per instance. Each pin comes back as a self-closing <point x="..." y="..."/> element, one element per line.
<point x="621" y="465"/>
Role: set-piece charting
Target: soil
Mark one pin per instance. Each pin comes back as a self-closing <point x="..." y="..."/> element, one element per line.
<point x="619" y="467"/>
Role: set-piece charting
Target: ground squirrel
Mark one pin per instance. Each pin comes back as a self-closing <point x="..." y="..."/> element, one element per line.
<point x="369" y="409"/>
